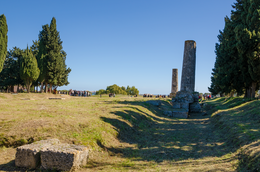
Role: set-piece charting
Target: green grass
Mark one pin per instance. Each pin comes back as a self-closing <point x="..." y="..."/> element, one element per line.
<point x="127" y="134"/>
<point x="240" y="119"/>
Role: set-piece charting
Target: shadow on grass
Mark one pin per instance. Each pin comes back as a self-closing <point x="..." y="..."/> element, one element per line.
<point x="159" y="138"/>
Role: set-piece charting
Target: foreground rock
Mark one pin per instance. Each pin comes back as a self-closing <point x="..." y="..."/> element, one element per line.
<point x="28" y="156"/>
<point x="51" y="154"/>
<point x="177" y="113"/>
<point x="64" y="157"/>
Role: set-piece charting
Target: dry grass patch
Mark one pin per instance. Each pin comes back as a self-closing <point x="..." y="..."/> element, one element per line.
<point x="124" y="133"/>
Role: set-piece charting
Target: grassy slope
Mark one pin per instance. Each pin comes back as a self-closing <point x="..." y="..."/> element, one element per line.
<point x="127" y="134"/>
<point x="239" y="120"/>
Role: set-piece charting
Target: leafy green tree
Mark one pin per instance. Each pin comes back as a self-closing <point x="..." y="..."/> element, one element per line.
<point x="115" y="89"/>
<point x="10" y="74"/>
<point x="101" y="91"/>
<point x="3" y="40"/>
<point x="29" y="70"/>
<point x="132" y="90"/>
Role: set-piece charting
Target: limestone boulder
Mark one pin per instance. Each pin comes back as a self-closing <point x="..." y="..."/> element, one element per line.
<point x="176" y="105"/>
<point x="28" y="156"/>
<point x="184" y="97"/>
<point x="180" y="113"/>
<point x="195" y="107"/>
<point x="64" y="157"/>
<point x="196" y="97"/>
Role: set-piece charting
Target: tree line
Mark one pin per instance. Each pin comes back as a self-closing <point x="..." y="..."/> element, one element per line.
<point x="119" y="90"/>
<point x="42" y="64"/>
<point x="237" y="65"/>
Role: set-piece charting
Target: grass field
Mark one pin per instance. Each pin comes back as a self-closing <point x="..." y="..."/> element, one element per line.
<point x="128" y="134"/>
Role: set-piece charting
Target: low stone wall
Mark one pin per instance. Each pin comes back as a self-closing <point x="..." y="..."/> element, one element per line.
<point x="183" y="103"/>
<point x="51" y="154"/>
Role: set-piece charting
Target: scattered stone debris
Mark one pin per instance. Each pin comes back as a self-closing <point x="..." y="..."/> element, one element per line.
<point x="51" y="154"/>
<point x="56" y="98"/>
<point x="27" y="99"/>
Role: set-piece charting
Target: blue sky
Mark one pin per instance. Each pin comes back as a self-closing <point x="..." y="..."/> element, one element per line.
<point x="124" y="42"/>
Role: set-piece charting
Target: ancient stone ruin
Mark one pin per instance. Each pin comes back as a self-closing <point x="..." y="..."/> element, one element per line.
<point x="174" y="82"/>
<point x="186" y="100"/>
<point x="188" y="67"/>
<point x="51" y="154"/>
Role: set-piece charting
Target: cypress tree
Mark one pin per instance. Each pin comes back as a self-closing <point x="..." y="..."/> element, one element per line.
<point x="253" y="54"/>
<point x="3" y="40"/>
<point x="52" y="57"/>
<point x="42" y="55"/>
<point x="29" y="70"/>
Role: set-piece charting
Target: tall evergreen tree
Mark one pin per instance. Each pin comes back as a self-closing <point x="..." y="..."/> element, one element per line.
<point x="253" y="54"/>
<point x="3" y="40"/>
<point x="52" y="57"/>
<point x="42" y="55"/>
<point x="29" y="70"/>
<point x="57" y="69"/>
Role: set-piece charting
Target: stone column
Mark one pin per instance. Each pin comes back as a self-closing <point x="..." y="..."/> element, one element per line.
<point x="174" y="81"/>
<point x="188" y="67"/>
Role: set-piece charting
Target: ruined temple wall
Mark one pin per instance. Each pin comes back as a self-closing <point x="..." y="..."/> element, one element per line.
<point x="188" y="67"/>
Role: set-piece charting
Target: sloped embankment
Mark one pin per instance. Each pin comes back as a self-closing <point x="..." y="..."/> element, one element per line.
<point x="239" y="121"/>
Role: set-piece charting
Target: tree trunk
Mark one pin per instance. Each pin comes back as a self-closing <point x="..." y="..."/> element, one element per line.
<point x="253" y="90"/>
<point x="46" y="89"/>
<point x="28" y="87"/>
<point x="41" y="87"/>
<point x="50" y="88"/>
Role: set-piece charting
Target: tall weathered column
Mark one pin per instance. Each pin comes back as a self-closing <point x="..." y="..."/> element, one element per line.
<point x="174" y="81"/>
<point x="188" y="67"/>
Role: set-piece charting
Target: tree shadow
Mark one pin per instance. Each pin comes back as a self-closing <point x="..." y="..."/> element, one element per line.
<point x="158" y="137"/>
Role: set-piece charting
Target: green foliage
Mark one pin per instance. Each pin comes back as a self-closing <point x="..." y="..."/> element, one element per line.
<point x="51" y="57"/>
<point x="119" y="90"/>
<point x="29" y="70"/>
<point x="101" y="91"/>
<point x="115" y="89"/>
<point x="132" y="90"/>
<point x="3" y="40"/>
<point x="10" y="74"/>
<point x="237" y="53"/>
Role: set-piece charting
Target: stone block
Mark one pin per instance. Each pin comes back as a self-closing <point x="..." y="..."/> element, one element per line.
<point x="28" y="156"/>
<point x="176" y="105"/>
<point x="184" y="96"/>
<point x="167" y="113"/>
<point x="64" y="157"/>
<point x="180" y="113"/>
<point x="195" y="107"/>
<point x="184" y="105"/>
<point x="195" y="97"/>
